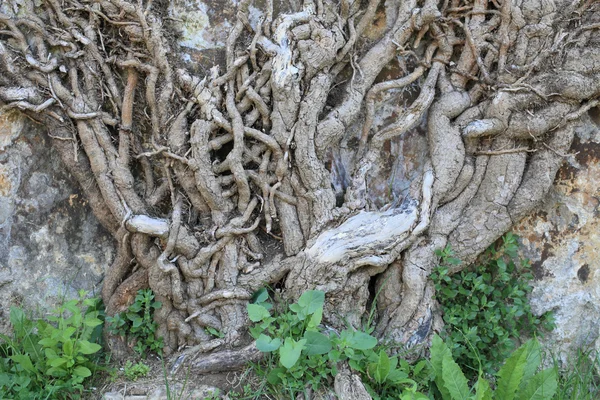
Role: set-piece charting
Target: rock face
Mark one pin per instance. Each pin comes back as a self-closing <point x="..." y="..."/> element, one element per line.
<point x="51" y="245"/>
<point x="563" y="242"/>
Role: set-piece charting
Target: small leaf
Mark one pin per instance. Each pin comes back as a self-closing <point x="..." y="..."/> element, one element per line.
<point x="82" y="372"/>
<point x="257" y="313"/>
<point x="273" y="376"/>
<point x="299" y="311"/>
<point x="397" y="376"/>
<point x="48" y="342"/>
<point x="67" y="333"/>
<point x="315" y="320"/>
<point x="260" y="296"/>
<point x="67" y="348"/>
<point x="86" y="347"/>
<point x="92" y="322"/>
<point x="265" y="344"/>
<point x="316" y="343"/>
<point x="57" y="362"/>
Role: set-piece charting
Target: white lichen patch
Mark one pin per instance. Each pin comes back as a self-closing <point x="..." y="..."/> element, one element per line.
<point x="365" y="231"/>
<point x="198" y="30"/>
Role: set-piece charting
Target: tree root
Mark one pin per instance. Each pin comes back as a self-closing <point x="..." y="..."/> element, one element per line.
<point x="218" y="186"/>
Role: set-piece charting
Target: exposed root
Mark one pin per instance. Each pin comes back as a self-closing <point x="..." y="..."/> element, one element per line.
<point x="214" y="187"/>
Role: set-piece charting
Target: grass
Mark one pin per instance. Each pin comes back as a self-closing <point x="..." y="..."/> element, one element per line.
<point x="580" y="378"/>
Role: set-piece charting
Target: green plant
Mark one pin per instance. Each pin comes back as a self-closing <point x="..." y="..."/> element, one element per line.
<point x="579" y="379"/>
<point x="137" y="325"/>
<point x="388" y="377"/>
<point x="299" y="354"/>
<point x="48" y="359"/>
<point x="214" y="332"/>
<point x="486" y="307"/>
<point x="171" y="394"/>
<point x="135" y="371"/>
<point x="518" y="378"/>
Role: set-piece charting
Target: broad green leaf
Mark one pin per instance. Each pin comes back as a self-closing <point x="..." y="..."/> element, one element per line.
<point x="55" y="371"/>
<point x="50" y="354"/>
<point x="57" y="362"/>
<point x="541" y="387"/>
<point x="265" y="344"/>
<point x="82" y="371"/>
<point x="137" y="322"/>
<point x="86" y="347"/>
<point x="454" y="379"/>
<point x="360" y="340"/>
<point x="24" y="361"/>
<point x="257" y="313"/>
<point x="511" y="374"/>
<point x="382" y="368"/>
<point x="397" y="376"/>
<point x="67" y="348"/>
<point x="534" y="359"/>
<point x="439" y="350"/>
<point x="67" y="333"/>
<point x="316" y="343"/>
<point x="92" y="321"/>
<point x="311" y="300"/>
<point x="48" y="342"/>
<point x="290" y="352"/>
<point x="482" y="389"/>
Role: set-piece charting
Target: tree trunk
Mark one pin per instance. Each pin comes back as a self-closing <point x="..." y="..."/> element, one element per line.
<point x="276" y="169"/>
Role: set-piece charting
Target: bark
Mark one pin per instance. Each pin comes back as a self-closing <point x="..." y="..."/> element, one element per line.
<point x="260" y="173"/>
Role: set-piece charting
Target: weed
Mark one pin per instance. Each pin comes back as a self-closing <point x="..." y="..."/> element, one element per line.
<point x="214" y="332"/>
<point x="48" y="359"/>
<point x="580" y="380"/>
<point x="299" y="355"/>
<point x="173" y="395"/>
<point x="137" y="324"/>
<point x="135" y="371"/>
<point x="487" y="306"/>
<point x="518" y="378"/>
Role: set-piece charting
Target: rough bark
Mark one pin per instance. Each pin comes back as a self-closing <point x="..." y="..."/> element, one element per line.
<point x="259" y="174"/>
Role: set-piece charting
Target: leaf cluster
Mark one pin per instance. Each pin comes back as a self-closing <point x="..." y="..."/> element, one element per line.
<point x="49" y="359"/>
<point x="137" y="324"/>
<point x="518" y="378"/>
<point x="486" y="307"/>
<point x="135" y="371"/>
<point x="300" y="353"/>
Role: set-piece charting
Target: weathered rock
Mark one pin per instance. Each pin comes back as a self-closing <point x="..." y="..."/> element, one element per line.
<point x="562" y="241"/>
<point x="51" y="245"/>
